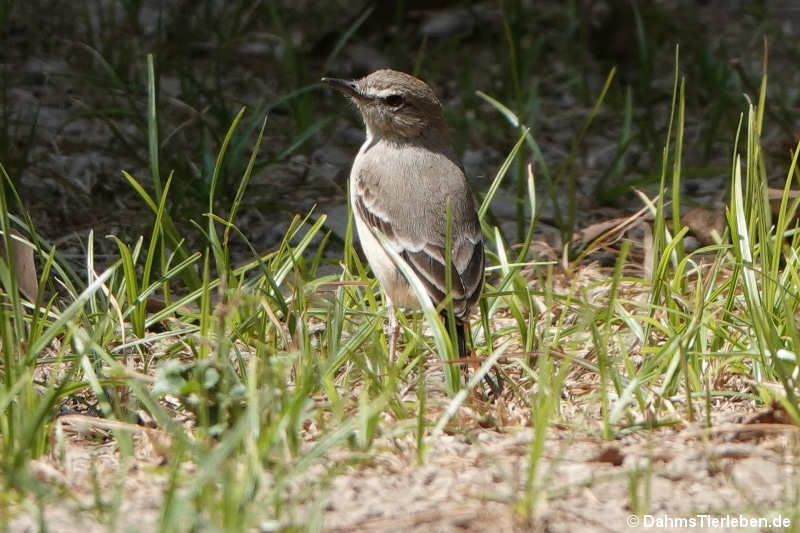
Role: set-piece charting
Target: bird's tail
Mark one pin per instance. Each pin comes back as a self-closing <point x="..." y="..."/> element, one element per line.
<point x="461" y="339"/>
<point x="461" y="334"/>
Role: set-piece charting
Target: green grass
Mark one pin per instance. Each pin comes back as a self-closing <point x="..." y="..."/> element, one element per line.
<point x="237" y="350"/>
<point x="261" y="381"/>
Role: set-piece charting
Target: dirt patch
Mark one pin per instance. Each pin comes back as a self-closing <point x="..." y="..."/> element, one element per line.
<point x="476" y="481"/>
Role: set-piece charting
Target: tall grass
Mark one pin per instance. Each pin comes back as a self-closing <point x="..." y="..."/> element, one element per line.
<point x="265" y="380"/>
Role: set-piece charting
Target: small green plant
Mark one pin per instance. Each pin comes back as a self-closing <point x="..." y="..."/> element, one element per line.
<point x="212" y="393"/>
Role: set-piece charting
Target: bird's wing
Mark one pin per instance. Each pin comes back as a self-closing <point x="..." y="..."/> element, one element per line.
<point x="418" y="233"/>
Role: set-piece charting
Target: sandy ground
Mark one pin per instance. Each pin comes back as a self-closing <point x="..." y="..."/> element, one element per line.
<point x="746" y="468"/>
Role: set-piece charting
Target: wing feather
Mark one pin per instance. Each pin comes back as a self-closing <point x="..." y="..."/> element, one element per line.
<point x="427" y="259"/>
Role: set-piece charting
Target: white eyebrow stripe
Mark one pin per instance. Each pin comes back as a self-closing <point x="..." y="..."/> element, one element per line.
<point x="383" y="93"/>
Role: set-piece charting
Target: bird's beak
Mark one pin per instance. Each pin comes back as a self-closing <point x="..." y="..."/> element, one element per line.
<point x="348" y="87"/>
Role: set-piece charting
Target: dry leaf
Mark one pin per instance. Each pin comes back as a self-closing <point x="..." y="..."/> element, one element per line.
<point x="610" y="454"/>
<point x="25" y="268"/>
<point x="705" y="224"/>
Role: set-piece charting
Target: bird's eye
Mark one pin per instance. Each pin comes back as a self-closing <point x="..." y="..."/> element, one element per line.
<point x="394" y="100"/>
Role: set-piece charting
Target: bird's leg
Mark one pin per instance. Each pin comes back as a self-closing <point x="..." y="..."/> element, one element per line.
<point x="394" y="331"/>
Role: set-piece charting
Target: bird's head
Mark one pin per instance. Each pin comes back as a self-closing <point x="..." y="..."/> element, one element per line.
<point x="395" y="106"/>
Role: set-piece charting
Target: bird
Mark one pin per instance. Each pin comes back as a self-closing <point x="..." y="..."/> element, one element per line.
<point x="402" y="181"/>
